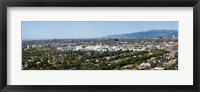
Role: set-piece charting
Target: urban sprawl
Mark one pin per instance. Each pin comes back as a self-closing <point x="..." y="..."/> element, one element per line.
<point x="100" y="54"/>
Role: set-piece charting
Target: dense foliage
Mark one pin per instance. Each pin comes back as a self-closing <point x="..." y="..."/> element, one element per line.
<point x="96" y="60"/>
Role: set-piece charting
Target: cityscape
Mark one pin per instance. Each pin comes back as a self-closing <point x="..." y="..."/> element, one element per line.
<point x="55" y="46"/>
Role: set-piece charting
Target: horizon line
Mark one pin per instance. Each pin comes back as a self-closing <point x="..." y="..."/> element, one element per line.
<point x="102" y="37"/>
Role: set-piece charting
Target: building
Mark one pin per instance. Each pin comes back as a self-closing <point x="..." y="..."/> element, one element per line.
<point x="69" y="48"/>
<point x="78" y="48"/>
<point x="144" y="65"/>
<point x="66" y="48"/>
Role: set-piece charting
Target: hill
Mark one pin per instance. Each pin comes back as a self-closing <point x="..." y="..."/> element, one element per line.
<point x="146" y="34"/>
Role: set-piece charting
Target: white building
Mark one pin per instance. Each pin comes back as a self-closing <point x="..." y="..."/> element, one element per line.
<point x="144" y="65"/>
<point x="79" y="48"/>
<point x="159" y="68"/>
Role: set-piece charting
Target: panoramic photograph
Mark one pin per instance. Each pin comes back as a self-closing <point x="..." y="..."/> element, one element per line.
<point x="99" y="45"/>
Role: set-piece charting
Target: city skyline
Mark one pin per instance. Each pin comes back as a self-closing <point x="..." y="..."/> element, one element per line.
<point x="74" y="30"/>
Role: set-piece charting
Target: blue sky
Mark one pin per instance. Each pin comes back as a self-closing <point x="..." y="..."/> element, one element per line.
<point x="69" y="30"/>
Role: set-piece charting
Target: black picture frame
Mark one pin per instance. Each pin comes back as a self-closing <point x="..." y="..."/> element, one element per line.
<point x="99" y="3"/>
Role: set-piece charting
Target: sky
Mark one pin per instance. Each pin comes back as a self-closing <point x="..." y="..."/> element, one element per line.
<point x="32" y="30"/>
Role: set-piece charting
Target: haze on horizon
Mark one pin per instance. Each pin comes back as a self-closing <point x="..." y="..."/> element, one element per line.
<point x="74" y="30"/>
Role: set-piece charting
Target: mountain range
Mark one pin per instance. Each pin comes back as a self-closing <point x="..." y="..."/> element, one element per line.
<point x="146" y="34"/>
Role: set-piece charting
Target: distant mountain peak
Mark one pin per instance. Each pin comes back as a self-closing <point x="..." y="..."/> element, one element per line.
<point x="146" y="34"/>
